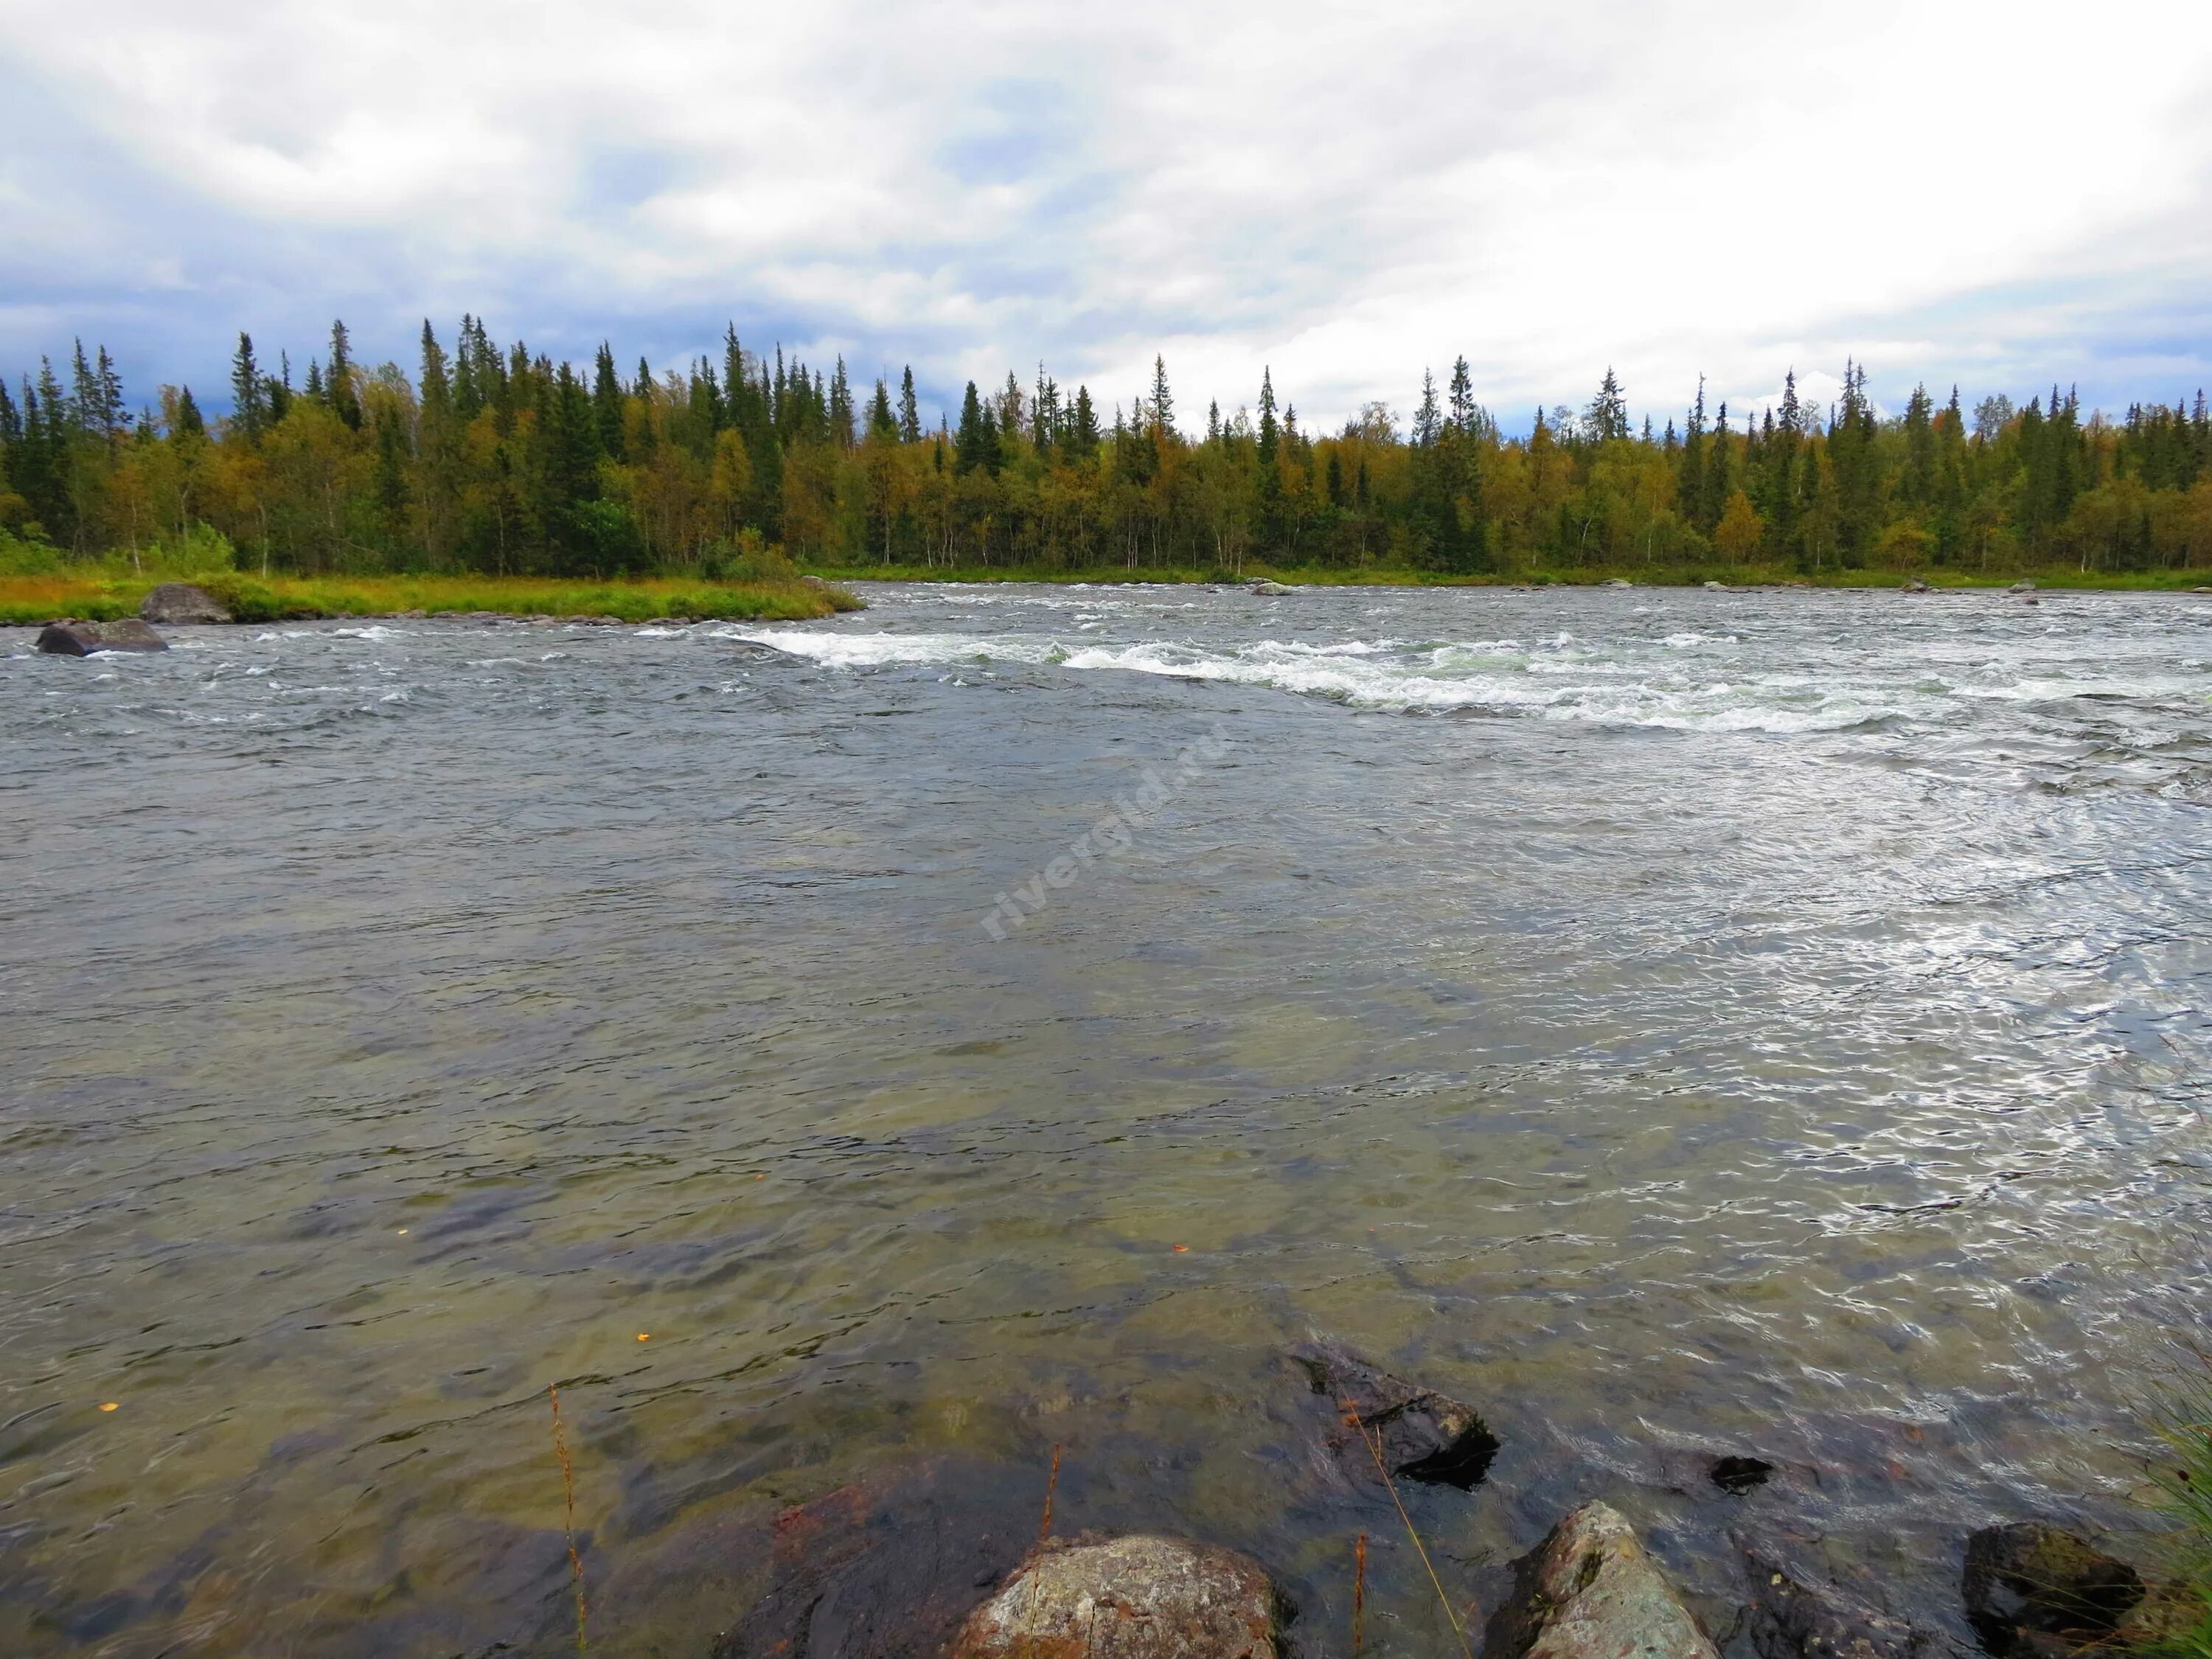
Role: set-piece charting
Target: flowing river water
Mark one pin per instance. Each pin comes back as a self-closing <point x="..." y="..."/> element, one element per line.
<point x="1677" y="1023"/>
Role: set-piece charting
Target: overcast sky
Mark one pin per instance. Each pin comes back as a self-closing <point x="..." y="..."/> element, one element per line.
<point x="2000" y="194"/>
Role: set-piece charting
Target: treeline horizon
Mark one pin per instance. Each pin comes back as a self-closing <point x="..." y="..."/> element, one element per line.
<point x="493" y="461"/>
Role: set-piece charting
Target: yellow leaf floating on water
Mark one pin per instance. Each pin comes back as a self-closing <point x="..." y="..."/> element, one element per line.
<point x="644" y="1336"/>
<point x="110" y="1405"/>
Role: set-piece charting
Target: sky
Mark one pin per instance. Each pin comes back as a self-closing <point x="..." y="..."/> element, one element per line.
<point x="1998" y="195"/>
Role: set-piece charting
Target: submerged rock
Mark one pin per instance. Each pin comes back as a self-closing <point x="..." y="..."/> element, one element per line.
<point x="1737" y="1475"/>
<point x="1425" y="1436"/>
<point x="885" y="1568"/>
<point x="1137" y="1597"/>
<point x="81" y="639"/>
<point x="1787" y="1619"/>
<point x="1589" y="1591"/>
<point x="2032" y="1589"/>
<point x="181" y="602"/>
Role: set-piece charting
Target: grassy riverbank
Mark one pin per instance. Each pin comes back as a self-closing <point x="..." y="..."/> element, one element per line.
<point x="1587" y="576"/>
<point x="2184" y="1422"/>
<point x="101" y="594"/>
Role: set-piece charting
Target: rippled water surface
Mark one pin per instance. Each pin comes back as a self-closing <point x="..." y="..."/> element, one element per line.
<point x="1677" y="1023"/>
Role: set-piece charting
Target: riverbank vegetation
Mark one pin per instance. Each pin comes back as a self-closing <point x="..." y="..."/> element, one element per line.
<point x="491" y="461"/>
<point x="2184" y="1422"/>
<point x="37" y="586"/>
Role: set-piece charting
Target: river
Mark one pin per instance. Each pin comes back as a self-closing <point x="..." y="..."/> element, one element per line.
<point x="1677" y="1023"/>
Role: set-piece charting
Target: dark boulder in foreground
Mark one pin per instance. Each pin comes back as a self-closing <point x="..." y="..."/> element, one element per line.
<point x="181" y="602"/>
<point x="1790" y="1620"/>
<point x="1137" y="1597"/>
<point x="81" y="639"/>
<point x="1589" y="1591"/>
<point x="1425" y="1436"/>
<point x="2036" y="1592"/>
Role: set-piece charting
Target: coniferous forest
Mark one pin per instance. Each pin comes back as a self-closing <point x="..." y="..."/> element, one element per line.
<point x="494" y="461"/>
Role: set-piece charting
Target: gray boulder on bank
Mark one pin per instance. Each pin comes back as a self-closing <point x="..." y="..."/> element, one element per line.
<point x="1425" y="1436"/>
<point x="181" y="602"/>
<point x="2034" y="1591"/>
<point x="1589" y="1591"/>
<point x="81" y="639"/>
<point x="1137" y="1597"/>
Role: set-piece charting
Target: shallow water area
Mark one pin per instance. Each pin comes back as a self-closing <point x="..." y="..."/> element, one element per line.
<point x="1682" y="1024"/>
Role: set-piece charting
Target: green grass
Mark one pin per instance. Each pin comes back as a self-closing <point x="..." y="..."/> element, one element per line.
<point x="2182" y="1420"/>
<point x="1585" y="576"/>
<point x="101" y="594"/>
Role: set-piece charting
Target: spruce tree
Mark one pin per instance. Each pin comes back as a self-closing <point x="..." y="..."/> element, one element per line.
<point x="189" y="425"/>
<point x="1462" y="398"/>
<point x="1607" y="418"/>
<point x="1083" y="426"/>
<point x="909" y="417"/>
<point x="841" y="407"/>
<point x="968" y="448"/>
<point x="338" y="379"/>
<point x="1428" y="422"/>
<point x="607" y="402"/>
<point x="248" y="401"/>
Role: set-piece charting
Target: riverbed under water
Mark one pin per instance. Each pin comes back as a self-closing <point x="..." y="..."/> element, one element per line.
<point x="1679" y="1024"/>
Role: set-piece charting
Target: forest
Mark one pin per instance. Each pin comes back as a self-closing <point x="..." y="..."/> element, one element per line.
<point x="493" y="461"/>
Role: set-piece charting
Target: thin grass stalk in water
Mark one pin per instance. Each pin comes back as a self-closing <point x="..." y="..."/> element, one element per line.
<point x="1359" y="1595"/>
<point x="1374" y="1445"/>
<point x="568" y="1492"/>
<point x="1044" y="1526"/>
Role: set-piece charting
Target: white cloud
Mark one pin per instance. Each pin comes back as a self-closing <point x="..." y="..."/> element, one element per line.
<point x="2001" y="192"/>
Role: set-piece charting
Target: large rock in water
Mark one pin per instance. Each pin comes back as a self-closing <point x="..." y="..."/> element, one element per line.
<point x="181" y="602"/>
<point x="1588" y="1591"/>
<point x="2036" y="1592"/>
<point x="81" y="639"/>
<point x="1425" y="1436"/>
<point x="1139" y="1597"/>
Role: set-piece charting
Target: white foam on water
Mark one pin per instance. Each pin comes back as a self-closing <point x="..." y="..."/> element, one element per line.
<point x="1686" y="681"/>
<point x="869" y="650"/>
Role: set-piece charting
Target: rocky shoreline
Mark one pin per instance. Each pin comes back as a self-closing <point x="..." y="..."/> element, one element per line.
<point x="909" y="1570"/>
